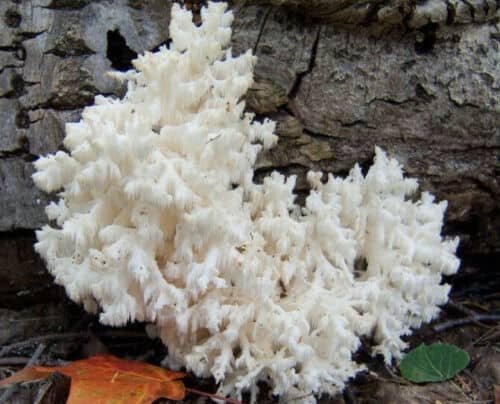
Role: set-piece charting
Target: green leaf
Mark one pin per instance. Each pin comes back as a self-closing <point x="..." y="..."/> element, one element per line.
<point x="433" y="363"/>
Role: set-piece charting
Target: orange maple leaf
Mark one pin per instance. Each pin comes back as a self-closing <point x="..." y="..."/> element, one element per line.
<point x="104" y="379"/>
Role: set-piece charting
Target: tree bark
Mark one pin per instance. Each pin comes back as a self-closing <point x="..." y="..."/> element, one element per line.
<point x="419" y="79"/>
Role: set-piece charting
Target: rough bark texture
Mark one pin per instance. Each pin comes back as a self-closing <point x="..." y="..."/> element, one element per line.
<point x="418" y="78"/>
<point x="388" y="13"/>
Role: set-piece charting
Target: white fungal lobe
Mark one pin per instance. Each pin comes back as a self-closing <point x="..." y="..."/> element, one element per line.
<point x="159" y="220"/>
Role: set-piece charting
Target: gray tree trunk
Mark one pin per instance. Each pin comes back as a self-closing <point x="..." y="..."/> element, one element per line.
<point x="419" y="79"/>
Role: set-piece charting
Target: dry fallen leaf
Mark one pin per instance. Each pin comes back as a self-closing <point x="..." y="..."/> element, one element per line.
<point x="104" y="378"/>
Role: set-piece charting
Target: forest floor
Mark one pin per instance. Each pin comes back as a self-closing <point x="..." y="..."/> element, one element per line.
<point x="59" y="333"/>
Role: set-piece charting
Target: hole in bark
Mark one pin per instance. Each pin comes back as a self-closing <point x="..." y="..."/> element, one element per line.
<point x="164" y="43"/>
<point x="12" y="18"/>
<point x="421" y="93"/>
<point x="450" y="13"/>
<point x="365" y="166"/>
<point x="426" y="38"/>
<point x="24" y="143"/>
<point x="20" y="53"/>
<point x="22" y="120"/>
<point x="17" y="84"/>
<point x="118" y="52"/>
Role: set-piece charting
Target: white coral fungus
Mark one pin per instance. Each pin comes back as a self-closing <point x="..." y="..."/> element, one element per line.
<point x="159" y="220"/>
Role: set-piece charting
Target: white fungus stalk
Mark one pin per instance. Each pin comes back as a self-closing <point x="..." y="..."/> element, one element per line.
<point x="159" y="220"/>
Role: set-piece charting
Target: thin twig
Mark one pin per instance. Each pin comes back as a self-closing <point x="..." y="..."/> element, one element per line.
<point x="10" y="390"/>
<point x="472" y="303"/>
<point x="145" y="356"/>
<point x="213" y="396"/>
<point x="461" y="321"/>
<point x="395" y="378"/>
<point x="459" y="389"/>
<point x="14" y="361"/>
<point x="461" y="307"/>
<point x="469" y="312"/>
<point x="44" y="318"/>
<point x="489" y="335"/>
<point x="36" y="354"/>
<point x="70" y="335"/>
<point x="41" y="338"/>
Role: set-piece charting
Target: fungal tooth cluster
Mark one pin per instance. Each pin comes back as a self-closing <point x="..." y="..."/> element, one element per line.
<point x="159" y="221"/>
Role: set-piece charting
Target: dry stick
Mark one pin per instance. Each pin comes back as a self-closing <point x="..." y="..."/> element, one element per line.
<point x="395" y="378"/>
<point x="145" y="356"/>
<point x="22" y="320"/>
<point x="460" y="307"/>
<point x="41" y="338"/>
<point x="467" y="320"/>
<point x="471" y="313"/>
<point x="6" y="395"/>
<point x="492" y="334"/>
<point x="467" y="304"/>
<point x="69" y="335"/>
<point x="14" y="361"/>
<point x="212" y="396"/>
